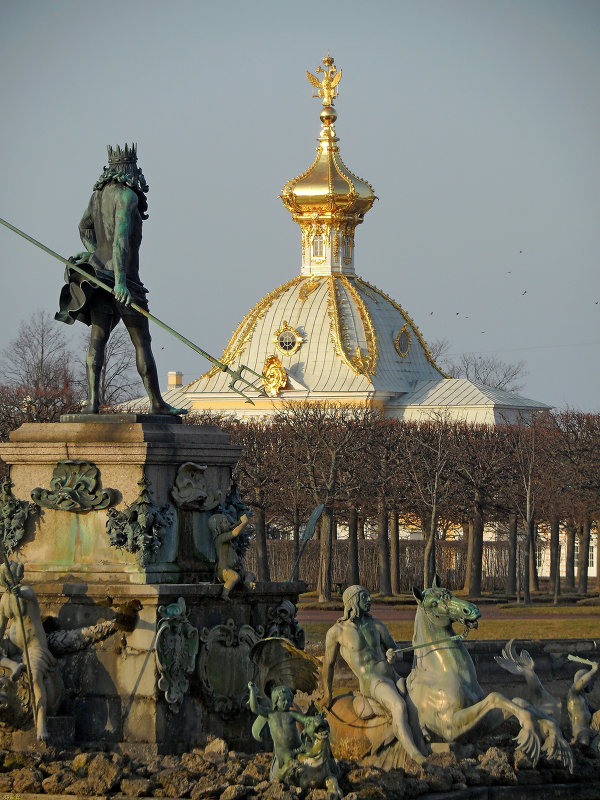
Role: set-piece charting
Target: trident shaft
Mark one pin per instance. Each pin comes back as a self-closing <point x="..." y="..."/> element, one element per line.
<point x="236" y="375"/>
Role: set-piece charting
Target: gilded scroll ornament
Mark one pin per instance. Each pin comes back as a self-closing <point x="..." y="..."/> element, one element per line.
<point x="359" y="362"/>
<point x="13" y="516"/>
<point x="191" y="491"/>
<point x="75" y="486"/>
<point x="138" y="529"/>
<point x="308" y="287"/>
<point x="274" y="376"/>
<point x="177" y="642"/>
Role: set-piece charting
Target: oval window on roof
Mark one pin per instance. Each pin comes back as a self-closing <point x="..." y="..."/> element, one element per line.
<point x="402" y="342"/>
<point x="287" y="340"/>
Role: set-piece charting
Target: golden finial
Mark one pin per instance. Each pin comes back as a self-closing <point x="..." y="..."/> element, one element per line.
<point x="327" y="87"/>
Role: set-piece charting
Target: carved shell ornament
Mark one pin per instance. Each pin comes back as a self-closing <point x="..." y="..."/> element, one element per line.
<point x="191" y="491"/>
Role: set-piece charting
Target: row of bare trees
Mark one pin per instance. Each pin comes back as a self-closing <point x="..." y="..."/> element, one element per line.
<point x="43" y="376"/>
<point x="437" y="476"/>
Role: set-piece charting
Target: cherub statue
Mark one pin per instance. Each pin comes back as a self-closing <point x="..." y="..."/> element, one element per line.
<point x="577" y="705"/>
<point x="20" y="613"/>
<point x="230" y="569"/>
<point x="297" y="761"/>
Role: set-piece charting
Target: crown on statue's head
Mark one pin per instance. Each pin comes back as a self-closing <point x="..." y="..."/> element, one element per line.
<point x="122" y="155"/>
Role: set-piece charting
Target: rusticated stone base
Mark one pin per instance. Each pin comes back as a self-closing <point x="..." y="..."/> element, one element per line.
<point x="112" y="691"/>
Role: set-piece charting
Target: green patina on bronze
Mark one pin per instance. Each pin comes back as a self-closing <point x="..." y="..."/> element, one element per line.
<point x="302" y="760"/>
<point x="176" y="650"/>
<point x="14" y="514"/>
<point x="75" y="486"/>
<point x="138" y="528"/>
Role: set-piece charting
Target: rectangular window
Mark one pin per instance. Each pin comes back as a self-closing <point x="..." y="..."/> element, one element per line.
<point x="347" y="247"/>
<point x="317" y="247"/>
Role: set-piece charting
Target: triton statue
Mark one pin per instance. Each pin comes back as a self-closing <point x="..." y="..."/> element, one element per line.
<point x="442" y="698"/>
<point x="367" y="647"/>
<point x="111" y="231"/>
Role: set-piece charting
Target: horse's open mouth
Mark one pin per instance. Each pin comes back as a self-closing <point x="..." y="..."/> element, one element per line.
<point x="470" y="623"/>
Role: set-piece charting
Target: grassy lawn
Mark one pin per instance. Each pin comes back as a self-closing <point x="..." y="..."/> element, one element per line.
<point x="552" y="626"/>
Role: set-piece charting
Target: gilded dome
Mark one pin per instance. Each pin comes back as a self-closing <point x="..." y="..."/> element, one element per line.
<point x="327" y="334"/>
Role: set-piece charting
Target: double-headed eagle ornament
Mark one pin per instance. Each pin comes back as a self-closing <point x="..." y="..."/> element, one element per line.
<point x="327" y="87"/>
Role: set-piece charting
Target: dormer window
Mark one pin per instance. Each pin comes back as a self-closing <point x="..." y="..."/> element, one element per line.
<point x="317" y="247"/>
<point x="347" y="248"/>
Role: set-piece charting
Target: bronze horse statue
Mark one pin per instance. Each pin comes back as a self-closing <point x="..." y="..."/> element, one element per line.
<point x="443" y="697"/>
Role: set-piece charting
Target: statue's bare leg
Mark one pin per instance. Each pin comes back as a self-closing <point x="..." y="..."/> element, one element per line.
<point x="41" y="704"/>
<point x="139" y="331"/>
<point x="500" y="707"/>
<point x="386" y="694"/>
<point x="94" y="362"/>
<point x="230" y="579"/>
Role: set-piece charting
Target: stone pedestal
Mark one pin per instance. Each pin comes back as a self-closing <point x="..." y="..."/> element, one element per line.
<point x="82" y="472"/>
<point x="124" y="448"/>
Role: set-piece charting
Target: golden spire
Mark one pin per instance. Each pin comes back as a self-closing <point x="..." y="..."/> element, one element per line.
<point x="327" y="200"/>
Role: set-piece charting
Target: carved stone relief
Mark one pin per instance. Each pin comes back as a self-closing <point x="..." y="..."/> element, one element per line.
<point x="281" y="621"/>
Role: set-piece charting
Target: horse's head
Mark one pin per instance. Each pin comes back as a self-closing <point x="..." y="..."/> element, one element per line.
<point x="442" y="609"/>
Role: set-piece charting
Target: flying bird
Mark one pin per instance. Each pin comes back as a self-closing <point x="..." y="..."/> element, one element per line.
<point x="525" y="292"/>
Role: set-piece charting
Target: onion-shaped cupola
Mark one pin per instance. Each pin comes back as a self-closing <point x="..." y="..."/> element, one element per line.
<point x="327" y="201"/>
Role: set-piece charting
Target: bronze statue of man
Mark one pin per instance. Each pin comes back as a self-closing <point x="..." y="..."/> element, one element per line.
<point x="369" y="650"/>
<point x="111" y="232"/>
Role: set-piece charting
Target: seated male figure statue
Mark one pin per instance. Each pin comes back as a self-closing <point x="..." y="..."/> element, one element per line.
<point x="367" y="647"/>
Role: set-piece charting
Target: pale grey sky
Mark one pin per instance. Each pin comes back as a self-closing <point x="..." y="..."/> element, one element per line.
<point x="476" y="122"/>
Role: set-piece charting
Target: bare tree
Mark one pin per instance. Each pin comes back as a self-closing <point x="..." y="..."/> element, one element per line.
<point x="37" y="379"/>
<point x="427" y="448"/>
<point x="483" y="368"/>
<point x="327" y="435"/>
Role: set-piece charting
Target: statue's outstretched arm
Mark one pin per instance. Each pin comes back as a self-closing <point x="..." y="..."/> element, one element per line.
<point x="586" y="679"/>
<point x="240" y="526"/>
<point x="258" y="705"/>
